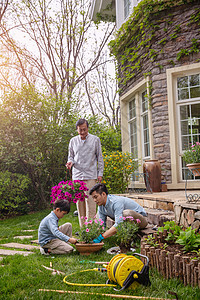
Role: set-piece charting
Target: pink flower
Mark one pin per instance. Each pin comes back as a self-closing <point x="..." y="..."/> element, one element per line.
<point x="82" y="218"/>
<point x="86" y="223"/>
<point x="90" y="222"/>
<point x="85" y="218"/>
<point x="87" y="229"/>
<point x="103" y="228"/>
<point x="96" y="221"/>
<point x="138" y="221"/>
<point x="124" y="218"/>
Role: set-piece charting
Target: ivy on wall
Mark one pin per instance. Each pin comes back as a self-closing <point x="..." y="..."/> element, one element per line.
<point x="135" y="41"/>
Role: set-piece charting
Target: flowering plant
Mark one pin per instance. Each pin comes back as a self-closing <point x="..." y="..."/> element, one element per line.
<point x="91" y="229"/>
<point x="192" y="155"/>
<point x="69" y="190"/>
<point x="127" y="231"/>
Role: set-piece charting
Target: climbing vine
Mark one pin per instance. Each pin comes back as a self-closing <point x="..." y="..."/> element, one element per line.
<point x="135" y="41"/>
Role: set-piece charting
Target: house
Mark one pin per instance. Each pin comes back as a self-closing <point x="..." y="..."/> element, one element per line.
<point x="157" y="47"/>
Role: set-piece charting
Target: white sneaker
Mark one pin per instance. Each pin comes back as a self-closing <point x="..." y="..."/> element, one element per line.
<point x="43" y="252"/>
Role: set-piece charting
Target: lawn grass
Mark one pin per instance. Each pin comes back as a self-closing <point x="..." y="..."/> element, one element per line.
<point x="21" y="277"/>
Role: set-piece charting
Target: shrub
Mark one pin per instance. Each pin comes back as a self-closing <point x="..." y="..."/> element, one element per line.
<point x="13" y="193"/>
<point x="118" y="168"/>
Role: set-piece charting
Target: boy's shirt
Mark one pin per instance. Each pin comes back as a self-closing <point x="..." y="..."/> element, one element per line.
<point x="48" y="230"/>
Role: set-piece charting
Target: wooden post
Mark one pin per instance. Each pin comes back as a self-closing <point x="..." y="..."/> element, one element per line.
<point x="196" y="274"/>
<point x="185" y="261"/>
<point x="158" y="261"/>
<point x="152" y="251"/>
<point x="171" y="267"/>
<point x="163" y="262"/>
<point x="176" y="265"/>
<point x="188" y="273"/>
<point x="167" y="268"/>
<point x="199" y="274"/>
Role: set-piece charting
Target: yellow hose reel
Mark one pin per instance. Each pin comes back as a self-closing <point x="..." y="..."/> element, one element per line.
<point x="128" y="271"/>
<point x="125" y="270"/>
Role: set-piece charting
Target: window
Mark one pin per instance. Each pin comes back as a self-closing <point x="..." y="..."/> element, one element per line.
<point x="139" y="125"/>
<point x="145" y="125"/>
<point x="127" y="5"/>
<point x="188" y="102"/>
<point x="133" y="128"/>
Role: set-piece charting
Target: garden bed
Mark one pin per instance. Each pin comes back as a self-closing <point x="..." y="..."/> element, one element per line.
<point x="171" y="261"/>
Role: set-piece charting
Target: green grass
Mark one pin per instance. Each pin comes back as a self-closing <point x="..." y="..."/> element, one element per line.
<point x="22" y="277"/>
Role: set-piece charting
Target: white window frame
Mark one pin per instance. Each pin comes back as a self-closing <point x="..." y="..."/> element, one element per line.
<point x="136" y="93"/>
<point x="174" y="123"/>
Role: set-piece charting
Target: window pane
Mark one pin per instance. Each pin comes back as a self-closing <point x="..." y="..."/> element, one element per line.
<point x="183" y="94"/>
<point x="126" y="8"/>
<point x="132" y="110"/>
<point x="194" y="80"/>
<point x="182" y="82"/>
<point x="195" y="92"/>
<point x="184" y="112"/>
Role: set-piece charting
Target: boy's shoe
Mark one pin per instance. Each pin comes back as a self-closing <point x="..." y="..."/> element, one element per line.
<point x="44" y="251"/>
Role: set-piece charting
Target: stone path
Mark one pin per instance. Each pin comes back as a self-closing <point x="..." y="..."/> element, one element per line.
<point x="13" y="252"/>
<point x="22" y="237"/>
<point x="20" y="246"/>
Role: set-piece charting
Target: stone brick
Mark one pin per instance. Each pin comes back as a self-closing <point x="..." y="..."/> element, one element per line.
<point x="196" y="225"/>
<point x="190" y="216"/>
<point x="183" y="219"/>
<point x="197" y="215"/>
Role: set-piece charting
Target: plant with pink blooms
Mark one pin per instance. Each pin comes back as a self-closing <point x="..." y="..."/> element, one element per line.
<point x="192" y="155"/>
<point x="127" y="231"/>
<point x="72" y="191"/>
<point x="90" y="230"/>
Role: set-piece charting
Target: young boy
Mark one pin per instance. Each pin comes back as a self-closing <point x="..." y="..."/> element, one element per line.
<point x="54" y="239"/>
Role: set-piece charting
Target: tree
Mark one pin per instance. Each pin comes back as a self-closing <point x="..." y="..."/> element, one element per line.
<point x="31" y="142"/>
<point x="101" y="90"/>
<point x="57" y="31"/>
<point x="3" y="7"/>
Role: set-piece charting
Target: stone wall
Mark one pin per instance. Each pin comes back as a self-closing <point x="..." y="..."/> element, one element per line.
<point x="177" y="31"/>
<point x="187" y="214"/>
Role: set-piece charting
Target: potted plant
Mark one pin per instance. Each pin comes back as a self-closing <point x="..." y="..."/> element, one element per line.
<point x="87" y="233"/>
<point x="127" y="233"/>
<point x="192" y="158"/>
<point x="69" y="190"/>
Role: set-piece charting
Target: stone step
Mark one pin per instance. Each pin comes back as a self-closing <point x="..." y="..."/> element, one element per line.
<point x="19" y="246"/>
<point x="155" y="217"/>
<point x="159" y="216"/>
<point x="13" y="252"/>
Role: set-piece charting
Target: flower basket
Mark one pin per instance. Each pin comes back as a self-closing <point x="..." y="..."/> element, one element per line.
<point x="192" y="159"/>
<point x="69" y="190"/>
<point x="194" y="168"/>
<point x="87" y="249"/>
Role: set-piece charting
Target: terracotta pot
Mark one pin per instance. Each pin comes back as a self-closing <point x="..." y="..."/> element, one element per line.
<point x="194" y="168"/>
<point x="152" y="175"/>
<point x="87" y="249"/>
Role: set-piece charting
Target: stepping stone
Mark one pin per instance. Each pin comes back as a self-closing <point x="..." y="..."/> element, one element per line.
<point x="20" y="246"/>
<point x="13" y="252"/>
<point x="22" y="237"/>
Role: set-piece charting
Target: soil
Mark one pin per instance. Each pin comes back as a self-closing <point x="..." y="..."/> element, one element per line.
<point x="177" y="249"/>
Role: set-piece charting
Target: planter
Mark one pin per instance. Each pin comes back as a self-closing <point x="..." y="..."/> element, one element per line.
<point x="194" y="168"/>
<point x="171" y="261"/>
<point x="87" y="249"/>
<point x="152" y="175"/>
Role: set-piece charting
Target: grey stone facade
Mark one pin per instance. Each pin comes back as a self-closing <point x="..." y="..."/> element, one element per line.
<point x="179" y="32"/>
